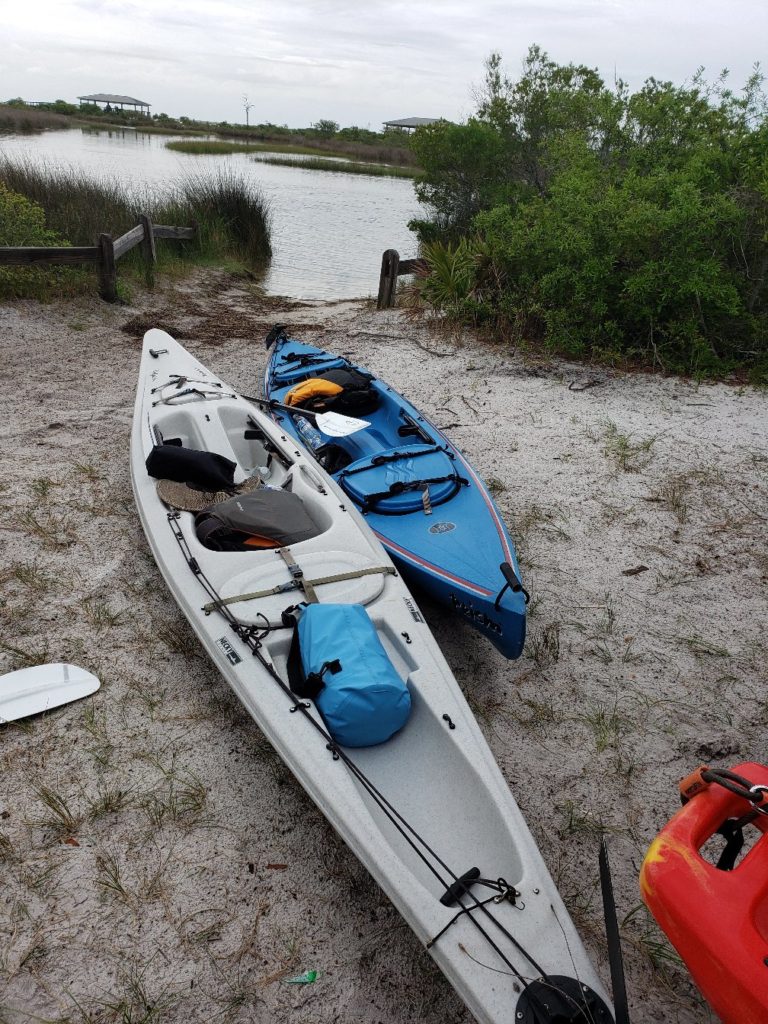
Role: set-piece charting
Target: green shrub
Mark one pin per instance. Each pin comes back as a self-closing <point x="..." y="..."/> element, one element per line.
<point x="609" y="225"/>
<point x="22" y="223"/>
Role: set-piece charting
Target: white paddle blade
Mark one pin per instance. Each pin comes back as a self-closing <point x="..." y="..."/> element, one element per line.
<point x="42" y="687"/>
<point x="335" y="425"/>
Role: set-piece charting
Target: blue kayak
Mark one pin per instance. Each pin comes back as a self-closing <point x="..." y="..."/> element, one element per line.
<point x="421" y="497"/>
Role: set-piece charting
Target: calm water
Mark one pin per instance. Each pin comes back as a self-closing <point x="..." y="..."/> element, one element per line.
<point x="328" y="230"/>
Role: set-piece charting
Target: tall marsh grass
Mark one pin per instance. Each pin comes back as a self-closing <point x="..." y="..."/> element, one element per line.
<point x="209" y="147"/>
<point x="29" y="119"/>
<point x="340" y="148"/>
<point x="318" y="163"/>
<point x="231" y="213"/>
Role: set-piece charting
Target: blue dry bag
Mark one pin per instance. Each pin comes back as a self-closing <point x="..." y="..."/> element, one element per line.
<point x="338" y="660"/>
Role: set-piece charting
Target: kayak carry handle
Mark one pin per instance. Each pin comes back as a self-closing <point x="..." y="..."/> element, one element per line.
<point x="277" y="333"/>
<point x="511" y="581"/>
<point x="458" y="888"/>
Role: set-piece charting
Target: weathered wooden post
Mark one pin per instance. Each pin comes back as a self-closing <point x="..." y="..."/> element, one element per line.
<point x="148" y="249"/>
<point x="390" y="264"/>
<point x="107" y="269"/>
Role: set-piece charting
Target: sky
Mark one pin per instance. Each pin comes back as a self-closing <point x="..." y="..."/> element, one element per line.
<point x="357" y="63"/>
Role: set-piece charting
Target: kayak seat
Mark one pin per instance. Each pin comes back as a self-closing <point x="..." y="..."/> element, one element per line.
<point x="395" y="481"/>
<point x="264" y="518"/>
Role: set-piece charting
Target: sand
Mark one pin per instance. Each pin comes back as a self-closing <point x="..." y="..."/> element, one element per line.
<point x="158" y="861"/>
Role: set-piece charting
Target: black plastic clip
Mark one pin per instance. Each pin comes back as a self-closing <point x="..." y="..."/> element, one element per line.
<point x="315" y="681"/>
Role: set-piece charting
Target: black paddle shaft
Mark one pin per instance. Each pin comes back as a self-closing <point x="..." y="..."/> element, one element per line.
<point x="270" y="403"/>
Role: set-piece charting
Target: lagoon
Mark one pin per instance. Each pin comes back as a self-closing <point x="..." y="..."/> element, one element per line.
<point x="328" y="230"/>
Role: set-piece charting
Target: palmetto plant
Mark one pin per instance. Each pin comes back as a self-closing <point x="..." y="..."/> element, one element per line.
<point x="452" y="275"/>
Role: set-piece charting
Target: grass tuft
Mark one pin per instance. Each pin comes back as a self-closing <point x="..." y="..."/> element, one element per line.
<point x="544" y="647"/>
<point x="60" y="818"/>
<point x="630" y="456"/>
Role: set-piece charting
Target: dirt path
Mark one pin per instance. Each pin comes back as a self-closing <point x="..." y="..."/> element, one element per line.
<point x="159" y="863"/>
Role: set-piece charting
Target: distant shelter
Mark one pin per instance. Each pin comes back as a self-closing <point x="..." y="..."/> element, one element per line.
<point x="108" y="100"/>
<point x="410" y="124"/>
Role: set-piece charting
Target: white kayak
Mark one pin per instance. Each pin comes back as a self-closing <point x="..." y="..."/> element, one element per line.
<point x="29" y="691"/>
<point x="420" y="810"/>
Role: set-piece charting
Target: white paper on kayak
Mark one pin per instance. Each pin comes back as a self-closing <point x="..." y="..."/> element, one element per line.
<point x="29" y="691"/>
<point x="334" y="424"/>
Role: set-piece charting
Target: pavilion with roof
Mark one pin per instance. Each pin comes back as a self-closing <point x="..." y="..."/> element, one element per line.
<point x="410" y="124"/>
<point x="107" y="99"/>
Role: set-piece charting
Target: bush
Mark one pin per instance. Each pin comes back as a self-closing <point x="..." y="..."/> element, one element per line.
<point x="608" y="225"/>
<point x="23" y="223"/>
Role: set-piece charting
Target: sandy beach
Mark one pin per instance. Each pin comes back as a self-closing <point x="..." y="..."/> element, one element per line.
<point x="158" y="861"/>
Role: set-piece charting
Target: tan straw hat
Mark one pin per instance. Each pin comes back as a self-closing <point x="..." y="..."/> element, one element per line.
<point x="188" y="499"/>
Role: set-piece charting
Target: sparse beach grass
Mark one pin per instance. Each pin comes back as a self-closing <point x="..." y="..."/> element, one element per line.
<point x="157" y="813"/>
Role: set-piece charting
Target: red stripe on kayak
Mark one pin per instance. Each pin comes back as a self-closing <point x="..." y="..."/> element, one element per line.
<point x="433" y="568"/>
<point x="491" y="508"/>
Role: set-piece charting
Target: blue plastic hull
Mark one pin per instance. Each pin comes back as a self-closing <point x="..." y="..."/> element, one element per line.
<point x="452" y="543"/>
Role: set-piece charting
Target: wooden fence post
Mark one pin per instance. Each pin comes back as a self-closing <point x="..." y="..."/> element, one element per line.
<point x="107" y="269"/>
<point x="390" y="264"/>
<point x="148" y="248"/>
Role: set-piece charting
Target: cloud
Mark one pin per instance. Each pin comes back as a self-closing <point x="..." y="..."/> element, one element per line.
<point x="357" y="62"/>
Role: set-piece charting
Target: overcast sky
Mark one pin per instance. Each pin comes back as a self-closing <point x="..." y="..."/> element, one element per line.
<point x="353" y="62"/>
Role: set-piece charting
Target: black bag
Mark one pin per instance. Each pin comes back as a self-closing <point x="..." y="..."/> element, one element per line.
<point x="206" y="470"/>
<point x="265" y="518"/>
<point x="357" y="397"/>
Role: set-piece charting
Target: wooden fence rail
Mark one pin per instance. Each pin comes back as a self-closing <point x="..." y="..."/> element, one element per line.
<point x="105" y="255"/>
<point x="393" y="267"/>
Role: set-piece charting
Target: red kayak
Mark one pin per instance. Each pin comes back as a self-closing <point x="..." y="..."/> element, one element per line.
<point x="716" y="915"/>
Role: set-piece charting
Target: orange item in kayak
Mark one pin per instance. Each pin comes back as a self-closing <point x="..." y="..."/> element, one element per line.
<point x="717" y="920"/>
<point x="256" y="541"/>
<point x="315" y="387"/>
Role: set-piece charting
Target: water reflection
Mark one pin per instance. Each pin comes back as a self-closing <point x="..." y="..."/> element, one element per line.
<point x="328" y="230"/>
